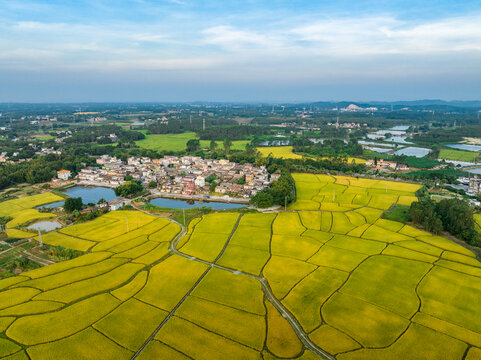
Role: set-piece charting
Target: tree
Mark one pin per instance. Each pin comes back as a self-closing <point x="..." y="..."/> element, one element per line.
<point x="152" y="185"/>
<point x="101" y="201"/>
<point x="227" y="145"/>
<point x="129" y="188"/>
<point x="212" y="187"/>
<point x="456" y="215"/>
<point x="72" y="204"/>
<point x="193" y="145"/>
<point x="263" y="199"/>
<point x="213" y="145"/>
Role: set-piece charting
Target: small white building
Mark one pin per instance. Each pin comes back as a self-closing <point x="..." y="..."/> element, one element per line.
<point x="199" y="181"/>
<point x="116" y="204"/>
<point x="63" y="174"/>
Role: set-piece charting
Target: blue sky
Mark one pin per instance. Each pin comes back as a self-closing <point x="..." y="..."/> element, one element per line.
<point x="275" y="51"/>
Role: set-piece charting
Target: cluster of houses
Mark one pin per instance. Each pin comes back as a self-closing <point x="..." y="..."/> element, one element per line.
<point x="383" y="165"/>
<point x="187" y="175"/>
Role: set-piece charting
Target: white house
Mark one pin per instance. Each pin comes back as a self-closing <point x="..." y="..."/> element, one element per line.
<point x="116" y="204"/>
<point x="199" y="181"/>
<point x="63" y="174"/>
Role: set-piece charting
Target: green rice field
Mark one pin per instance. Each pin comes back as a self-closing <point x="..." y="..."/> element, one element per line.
<point x="177" y="142"/>
<point x="458" y="155"/>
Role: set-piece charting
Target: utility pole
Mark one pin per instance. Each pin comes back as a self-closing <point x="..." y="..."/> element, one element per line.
<point x="40" y="238"/>
<point x="183" y="213"/>
<point x="203" y="124"/>
<point x="285" y="203"/>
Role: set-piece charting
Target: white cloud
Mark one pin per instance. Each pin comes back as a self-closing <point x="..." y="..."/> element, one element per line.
<point x="296" y="47"/>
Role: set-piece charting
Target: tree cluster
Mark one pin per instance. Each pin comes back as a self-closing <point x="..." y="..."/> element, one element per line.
<point x="280" y="192"/>
<point x="330" y="147"/>
<point x="129" y="188"/>
<point x="236" y="132"/>
<point x="452" y="215"/>
<point x="72" y="204"/>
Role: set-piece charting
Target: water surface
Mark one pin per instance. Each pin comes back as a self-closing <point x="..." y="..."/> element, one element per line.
<point x="183" y="204"/>
<point x="413" y="151"/>
<point x="45" y="226"/>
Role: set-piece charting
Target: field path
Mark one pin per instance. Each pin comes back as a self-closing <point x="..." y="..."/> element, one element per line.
<point x="173" y="245"/>
<point x="286" y="314"/>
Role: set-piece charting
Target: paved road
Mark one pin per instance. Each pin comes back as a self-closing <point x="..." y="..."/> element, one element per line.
<point x="303" y="337"/>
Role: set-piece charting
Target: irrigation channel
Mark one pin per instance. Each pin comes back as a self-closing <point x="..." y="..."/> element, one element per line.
<point x="301" y="334"/>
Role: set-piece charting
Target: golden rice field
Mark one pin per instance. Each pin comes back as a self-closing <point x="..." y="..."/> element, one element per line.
<point x="285" y="152"/>
<point x="335" y="280"/>
<point x="23" y="210"/>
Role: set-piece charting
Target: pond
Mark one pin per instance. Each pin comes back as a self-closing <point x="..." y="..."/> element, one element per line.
<point x="399" y="128"/>
<point x="476" y="171"/>
<point x="91" y="194"/>
<point x="275" y="143"/>
<point x="456" y="163"/>
<point x="465" y="147"/>
<point x="45" y="226"/>
<point x="393" y="139"/>
<point x="413" y="151"/>
<point x="362" y="142"/>
<point x="51" y="205"/>
<point x="183" y="204"/>
<point x="378" y="149"/>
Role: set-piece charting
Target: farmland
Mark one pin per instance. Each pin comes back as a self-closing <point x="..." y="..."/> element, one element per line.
<point x="328" y="278"/>
<point x="458" y="155"/>
<point x="22" y="210"/>
<point x="285" y="152"/>
<point x="177" y="142"/>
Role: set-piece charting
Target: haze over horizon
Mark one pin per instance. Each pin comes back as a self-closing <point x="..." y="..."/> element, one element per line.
<point x="245" y="51"/>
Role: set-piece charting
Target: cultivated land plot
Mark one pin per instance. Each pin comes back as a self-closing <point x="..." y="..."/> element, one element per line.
<point x="359" y="287"/>
<point x="458" y="155"/>
<point x="178" y="142"/>
<point x="23" y="210"/>
<point x="348" y="191"/>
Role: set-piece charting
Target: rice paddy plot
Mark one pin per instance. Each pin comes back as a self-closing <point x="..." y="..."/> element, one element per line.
<point x="284" y="273"/>
<point x="409" y="346"/>
<point x="306" y="298"/>
<point x="282" y="341"/>
<point x="337" y="258"/>
<point x="59" y="239"/>
<point x="374" y="275"/>
<point x="85" y="344"/>
<point x="240" y="292"/>
<point x="282" y="152"/>
<point x="244" y="259"/>
<point x="225" y="320"/>
<point x="458" y="155"/>
<point x="178" y="142"/>
<point x="368" y="324"/>
<point x="299" y="247"/>
<point x="169" y="281"/>
<point x="30" y="330"/>
<point x="458" y="305"/>
<point x="200" y="344"/>
<point x="122" y="324"/>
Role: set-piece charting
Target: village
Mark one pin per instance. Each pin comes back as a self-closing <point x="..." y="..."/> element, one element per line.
<point x="187" y="175"/>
